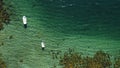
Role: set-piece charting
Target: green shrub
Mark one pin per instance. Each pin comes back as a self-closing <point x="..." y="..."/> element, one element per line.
<point x="75" y="60"/>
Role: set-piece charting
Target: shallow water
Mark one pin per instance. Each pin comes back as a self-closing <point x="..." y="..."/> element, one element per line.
<point x="87" y="26"/>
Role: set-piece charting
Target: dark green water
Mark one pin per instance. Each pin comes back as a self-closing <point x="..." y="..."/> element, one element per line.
<point x="82" y="17"/>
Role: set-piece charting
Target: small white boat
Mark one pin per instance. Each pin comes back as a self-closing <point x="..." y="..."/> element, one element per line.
<point x="24" y="20"/>
<point x="42" y="45"/>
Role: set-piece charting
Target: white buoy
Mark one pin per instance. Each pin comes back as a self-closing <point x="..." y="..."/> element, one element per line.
<point x="25" y="21"/>
<point x="42" y="45"/>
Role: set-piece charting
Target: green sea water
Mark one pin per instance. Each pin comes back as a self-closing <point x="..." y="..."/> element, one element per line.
<point x="84" y="25"/>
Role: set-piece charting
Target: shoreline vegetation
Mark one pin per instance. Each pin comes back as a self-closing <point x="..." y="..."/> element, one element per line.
<point x="4" y="19"/>
<point x="4" y="14"/>
<point x="72" y="59"/>
<point x="100" y="59"/>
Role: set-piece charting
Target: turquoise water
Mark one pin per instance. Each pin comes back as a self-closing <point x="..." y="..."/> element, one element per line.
<point x="86" y="26"/>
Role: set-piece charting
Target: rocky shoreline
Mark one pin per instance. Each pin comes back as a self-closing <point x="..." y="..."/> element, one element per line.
<point x="4" y="14"/>
<point x="4" y="19"/>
